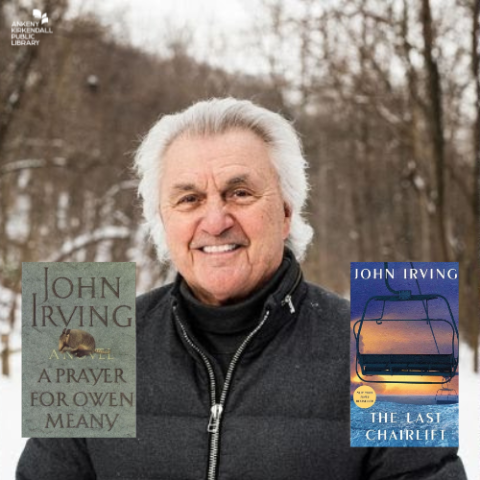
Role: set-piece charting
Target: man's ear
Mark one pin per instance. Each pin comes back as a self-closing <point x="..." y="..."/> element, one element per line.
<point x="287" y="220"/>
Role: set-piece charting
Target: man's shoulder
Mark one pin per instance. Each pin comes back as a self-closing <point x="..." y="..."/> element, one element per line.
<point x="152" y="300"/>
<point x="326" y="315"/>
<point x="320" y="298"/>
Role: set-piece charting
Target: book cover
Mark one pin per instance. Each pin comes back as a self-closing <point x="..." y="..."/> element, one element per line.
<point x="404" y="354"/>
<point x="78" y="350"/>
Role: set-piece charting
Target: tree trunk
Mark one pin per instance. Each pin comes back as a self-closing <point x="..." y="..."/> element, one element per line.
<point x="476" y="186"/>
<point x="435" y="125"/>
<point x="5" y="355"/>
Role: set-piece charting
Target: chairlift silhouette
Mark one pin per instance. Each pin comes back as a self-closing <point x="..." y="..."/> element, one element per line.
<point x="446" y="396"/>
<point x="406" y="364"/>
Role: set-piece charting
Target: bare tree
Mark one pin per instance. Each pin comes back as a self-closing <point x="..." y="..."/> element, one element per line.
<point x="385" y="123"/>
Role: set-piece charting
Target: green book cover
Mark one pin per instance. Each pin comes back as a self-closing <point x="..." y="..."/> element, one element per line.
<point x="78" y="350"/>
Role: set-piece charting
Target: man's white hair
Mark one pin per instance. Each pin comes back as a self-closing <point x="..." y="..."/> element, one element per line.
<point x="217" y="116"/>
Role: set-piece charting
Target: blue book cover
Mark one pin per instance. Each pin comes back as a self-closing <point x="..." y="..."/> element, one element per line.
<point x="404" y="349"/>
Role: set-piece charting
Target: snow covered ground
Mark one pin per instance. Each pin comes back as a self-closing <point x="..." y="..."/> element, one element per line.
<point x="12" y="443"/>
<point x="469" y="415"/>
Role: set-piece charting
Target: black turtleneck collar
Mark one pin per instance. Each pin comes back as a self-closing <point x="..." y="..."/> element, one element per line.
<point x="230" y="319"/>
<point x="221" y="329"/>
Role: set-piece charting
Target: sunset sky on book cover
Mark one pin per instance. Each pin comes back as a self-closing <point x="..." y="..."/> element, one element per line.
<point x="404" y="354"/>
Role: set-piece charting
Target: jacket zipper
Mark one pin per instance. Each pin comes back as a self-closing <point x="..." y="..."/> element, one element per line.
<point x="287" y="300"/>
<point x="216" y="409"/>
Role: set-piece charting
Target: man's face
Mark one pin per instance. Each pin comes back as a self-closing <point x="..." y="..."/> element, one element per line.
<point x="224" y="216"/>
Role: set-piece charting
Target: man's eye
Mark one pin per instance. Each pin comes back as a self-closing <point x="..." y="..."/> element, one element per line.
<point x="188" y="199"/>
<point x="241" y="194"/>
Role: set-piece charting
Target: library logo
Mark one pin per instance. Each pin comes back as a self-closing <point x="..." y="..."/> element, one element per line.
<point x="38" y="14"/>
<point x="26" y="33"/>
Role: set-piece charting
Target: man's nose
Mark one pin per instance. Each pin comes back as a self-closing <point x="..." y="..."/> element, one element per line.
<point x="216" y="218"/>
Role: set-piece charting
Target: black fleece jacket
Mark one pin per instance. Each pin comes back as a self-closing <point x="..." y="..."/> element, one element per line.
<point x="284" y="416"/>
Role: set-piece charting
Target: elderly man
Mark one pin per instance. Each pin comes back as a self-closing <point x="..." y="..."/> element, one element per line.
<point x="243" y="367"/>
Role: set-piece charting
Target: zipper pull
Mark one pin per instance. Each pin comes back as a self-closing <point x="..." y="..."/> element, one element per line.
<point x="214" y="421"/>
<point x="288" y="299"/>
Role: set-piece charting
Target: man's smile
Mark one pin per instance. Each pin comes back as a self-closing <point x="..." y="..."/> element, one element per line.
<point x="220" y="248"/>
